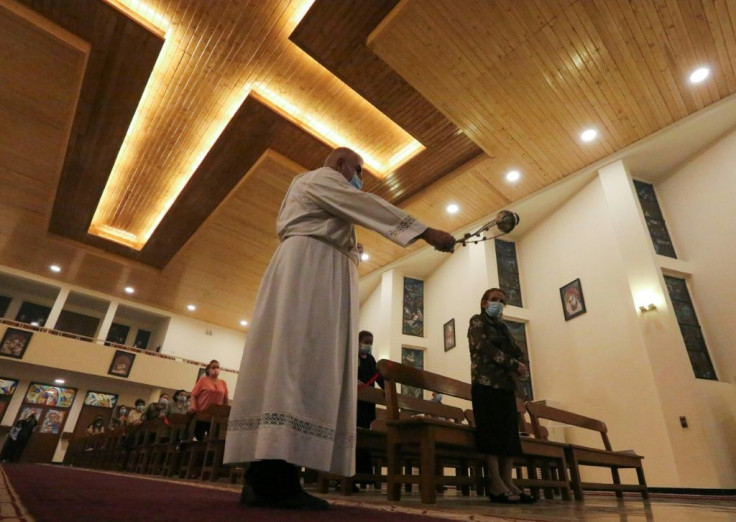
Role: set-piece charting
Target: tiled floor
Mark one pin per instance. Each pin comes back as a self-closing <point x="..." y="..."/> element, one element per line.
<point x="453" y="506"/>
<point x="596" y="507"/>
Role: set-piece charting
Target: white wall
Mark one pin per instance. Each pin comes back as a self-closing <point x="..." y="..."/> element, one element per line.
<point x="697" y="202"/>
<point x="597" y="363"/>
<point x="199" y="341"/>
<point x="454" y="291"/>
<point x="614" y="362"/>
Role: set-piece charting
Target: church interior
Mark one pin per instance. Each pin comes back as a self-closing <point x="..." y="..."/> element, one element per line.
<point x="148" y="145"/>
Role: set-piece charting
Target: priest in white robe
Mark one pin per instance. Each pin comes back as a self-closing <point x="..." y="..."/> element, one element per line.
<point x="296" y="395"/>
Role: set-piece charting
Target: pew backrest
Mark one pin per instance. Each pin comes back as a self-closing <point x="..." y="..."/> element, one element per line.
<point x="539" y="411"/>
<point x="395" y="373"/>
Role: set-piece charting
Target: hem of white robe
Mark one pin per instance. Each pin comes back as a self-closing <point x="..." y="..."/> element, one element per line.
<point x="282" y="443"/>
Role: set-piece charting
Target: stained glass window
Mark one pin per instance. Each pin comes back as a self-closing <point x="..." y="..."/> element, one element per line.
<point x="518" y="332"/>
<point x="655" y="221"/>
<point x="508" y="271"/>
<point x="690" y="328"/>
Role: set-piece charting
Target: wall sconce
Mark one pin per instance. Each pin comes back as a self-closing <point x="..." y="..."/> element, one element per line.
<point x="648" y="308"/>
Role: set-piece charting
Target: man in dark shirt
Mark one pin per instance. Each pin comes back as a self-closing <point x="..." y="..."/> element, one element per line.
<point x="367" y="373"/>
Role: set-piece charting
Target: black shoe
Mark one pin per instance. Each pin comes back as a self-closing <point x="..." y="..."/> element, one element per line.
<point x="504" y="498"/>
<point x="300" y="500"/>
<point x="524" y="498"/>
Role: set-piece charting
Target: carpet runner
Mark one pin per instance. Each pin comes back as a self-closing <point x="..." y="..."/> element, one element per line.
<point x="44" y="493"/>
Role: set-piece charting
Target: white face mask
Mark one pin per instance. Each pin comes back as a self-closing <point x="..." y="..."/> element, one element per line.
<point x="494" y="309"/>
<point x="356" y="182"/>
<point x="365" y="349"/>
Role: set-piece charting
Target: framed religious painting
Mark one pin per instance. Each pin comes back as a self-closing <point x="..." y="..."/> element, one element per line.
<point x="573" y="302"/>
<point x="100" y="399"/>
<point x="413" y="318"/>
<point x="122" y="362"/>
<point x="449" y="334"/>
<point x="14" y="343"/>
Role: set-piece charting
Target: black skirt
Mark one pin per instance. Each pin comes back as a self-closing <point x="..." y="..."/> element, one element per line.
<point x="496" y="421"/>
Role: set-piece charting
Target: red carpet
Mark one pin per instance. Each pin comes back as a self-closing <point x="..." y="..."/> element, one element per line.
<point x="59" y="494"/>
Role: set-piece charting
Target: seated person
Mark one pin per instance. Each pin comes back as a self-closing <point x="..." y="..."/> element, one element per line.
<point x="134" y="417"/>
<point x="157" y="410"/>
<point x="96" y="426"/>
<point x="119" y="418"/>
<point x="179" y="405"/>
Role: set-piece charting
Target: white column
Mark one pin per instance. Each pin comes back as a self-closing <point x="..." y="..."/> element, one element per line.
<point x="107" y="321"/>
<point x="57" y="308"/>
<point x="671" y="369"/>
<point x="388" y="336"/>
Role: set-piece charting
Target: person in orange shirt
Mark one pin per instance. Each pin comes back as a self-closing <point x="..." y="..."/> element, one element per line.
<point x="210" y="389"/>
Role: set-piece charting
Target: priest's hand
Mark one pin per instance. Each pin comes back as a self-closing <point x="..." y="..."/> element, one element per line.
<point x="439" y="239"/>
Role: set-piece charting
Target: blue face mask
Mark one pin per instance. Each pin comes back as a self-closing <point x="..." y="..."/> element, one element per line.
<point x="494" y="309"/>
<point x="365" y="349"/>
<point x="357" y="182"/>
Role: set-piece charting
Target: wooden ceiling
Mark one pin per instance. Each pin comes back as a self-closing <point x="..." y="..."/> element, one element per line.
<point x="175" y="127"/>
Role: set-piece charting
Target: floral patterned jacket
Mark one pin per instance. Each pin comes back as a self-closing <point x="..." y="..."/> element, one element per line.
<point x="494" y="355"/>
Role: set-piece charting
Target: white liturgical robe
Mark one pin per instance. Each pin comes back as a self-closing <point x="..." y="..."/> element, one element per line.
<point x="296" y="393"/>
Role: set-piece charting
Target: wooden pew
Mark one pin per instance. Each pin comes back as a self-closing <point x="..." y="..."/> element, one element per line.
<point x="433" y="440"/>
<point x="194" y="453"/>
<point x="212" y="466"/>
<point x="373" y="440"/>
<point x="584" y="456"/>
<point x="544" y="456"/>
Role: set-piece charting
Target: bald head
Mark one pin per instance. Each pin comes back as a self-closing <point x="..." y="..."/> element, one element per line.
<point x="342" y="154"/>
<point x="345" y="161"/>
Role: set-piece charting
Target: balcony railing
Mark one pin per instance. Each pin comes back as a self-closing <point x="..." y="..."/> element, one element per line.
<point x="117" y="346"/>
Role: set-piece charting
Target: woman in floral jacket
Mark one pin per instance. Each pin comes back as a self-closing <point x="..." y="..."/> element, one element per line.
<point x="496" y="363"/>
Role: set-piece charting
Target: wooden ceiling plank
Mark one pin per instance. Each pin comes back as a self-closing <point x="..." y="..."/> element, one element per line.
<point x="599" y="110"/>
<point x="666" y="70"/>
<point x="617" y="127"/>
<point x="547" y="49"/>
<point x="683" y="57"/>
<point x="704" y="38"/>
<point x="479" y="96"/>
<point x="640" y="66"/>
<point x="676" y="83"/>
<point x="645" y="51"/>
<point x="720" y="22"/>
<point x="632" y="85"/>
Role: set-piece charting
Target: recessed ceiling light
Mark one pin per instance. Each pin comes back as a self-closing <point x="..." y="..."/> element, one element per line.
<point x="191" y="308"/>
<point x="513" y="175"/>
<point x="55" y="268"/>
<point x="129" y="290"/>
<point x="699" y="74"/>
<point x="364" y="257"/>
<point x="589" y="135"/>
<point x="243" y="323"/>
<point x="59" y="381"/>
<point x="452" y="208"/>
